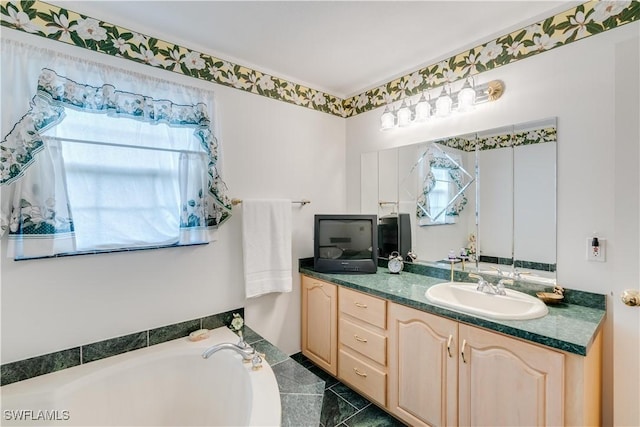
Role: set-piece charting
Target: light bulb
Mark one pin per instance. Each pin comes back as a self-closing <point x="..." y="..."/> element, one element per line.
<point x="443" y="104"/>
<point x="466" y="98"/>
<point x="404" y="115"/>
<point x="423" y="109"/>
<point x="387" y="120"/>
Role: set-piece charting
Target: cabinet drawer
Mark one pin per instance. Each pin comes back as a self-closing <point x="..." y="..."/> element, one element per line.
<point x="363" y="307"/>
<point x="364" y="341"/>
<point x="363" y="377"/>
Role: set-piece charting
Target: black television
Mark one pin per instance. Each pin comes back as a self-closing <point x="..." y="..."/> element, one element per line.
<point x="346" y="243"/>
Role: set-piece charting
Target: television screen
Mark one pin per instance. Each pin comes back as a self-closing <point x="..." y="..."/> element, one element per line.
<point x="346" y="243"/>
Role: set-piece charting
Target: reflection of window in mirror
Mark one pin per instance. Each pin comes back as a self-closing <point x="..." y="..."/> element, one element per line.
<point x="440" y="195"/>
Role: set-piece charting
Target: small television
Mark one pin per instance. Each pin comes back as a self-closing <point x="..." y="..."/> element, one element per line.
<point x="346" y="243"/>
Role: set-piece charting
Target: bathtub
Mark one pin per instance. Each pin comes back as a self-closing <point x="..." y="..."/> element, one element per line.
<point x="168" y="384"/>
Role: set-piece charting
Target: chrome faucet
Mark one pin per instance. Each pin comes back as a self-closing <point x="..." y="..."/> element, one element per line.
<point x="248" y="353"/>
<point x="489" y="288"/>
<point x="518" y="274"/>
<point x="500" y="273"/>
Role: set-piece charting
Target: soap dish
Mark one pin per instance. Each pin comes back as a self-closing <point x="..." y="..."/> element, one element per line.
<point x="550" y="297"/>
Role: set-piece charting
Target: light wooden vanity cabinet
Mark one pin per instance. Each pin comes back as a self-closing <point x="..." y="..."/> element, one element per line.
<point x="445" y="373"/>
<point x="319" y="323"/>
<point x="362" y="353"/>
<point x="423" y="367"/>
<point x="432" y="371"/>
<point x="505" y="381"/>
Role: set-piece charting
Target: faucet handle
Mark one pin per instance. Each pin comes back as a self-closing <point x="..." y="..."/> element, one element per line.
<point x="256" y="361"/>
<point x="497" y="269"/>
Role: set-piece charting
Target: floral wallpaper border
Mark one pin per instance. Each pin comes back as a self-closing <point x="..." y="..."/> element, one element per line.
<point x="69" y="27"/>
<point x="585" y="20"/>
<point x="55" y="23"/>
<point x="527" y="137"/>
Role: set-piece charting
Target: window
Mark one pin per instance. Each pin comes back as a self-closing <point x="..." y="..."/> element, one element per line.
<point x="111" y="171"/>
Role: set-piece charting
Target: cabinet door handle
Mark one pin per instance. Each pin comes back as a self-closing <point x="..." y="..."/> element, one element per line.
<point x="449" y="345"/>
<point x="362" y="374"/>
<point x="359" y="338"/>
<point x="464" y="344"/>
<point x="361" y="305"/>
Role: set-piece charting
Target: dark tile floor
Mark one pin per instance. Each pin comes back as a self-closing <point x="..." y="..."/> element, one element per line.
<point x="344" y="407"/>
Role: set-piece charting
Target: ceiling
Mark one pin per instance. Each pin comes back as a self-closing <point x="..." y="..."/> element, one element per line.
<point x="339" y="47"/>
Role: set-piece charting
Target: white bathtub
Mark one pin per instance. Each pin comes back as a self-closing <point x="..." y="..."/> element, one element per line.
<point x="168" y="384"/>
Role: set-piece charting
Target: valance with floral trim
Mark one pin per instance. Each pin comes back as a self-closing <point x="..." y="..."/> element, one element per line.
<point x="55" y="92"/>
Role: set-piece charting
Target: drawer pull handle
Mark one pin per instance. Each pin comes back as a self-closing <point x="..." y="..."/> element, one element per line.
<point x="464" y="344"/>
<point x="449" y="345"/>
<point x="362" y="374"/>
<point x="359" y="338"/>
<point x="361" y="305"/>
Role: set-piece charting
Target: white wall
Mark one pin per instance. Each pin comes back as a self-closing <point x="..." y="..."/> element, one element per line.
<point x="270" y="149"/>
<point x="576" y="84"/>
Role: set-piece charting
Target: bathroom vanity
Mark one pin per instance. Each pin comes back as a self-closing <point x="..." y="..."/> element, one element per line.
<point x="428" y="365"/>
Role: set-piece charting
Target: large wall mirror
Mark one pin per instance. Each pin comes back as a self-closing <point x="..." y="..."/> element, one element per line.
<point x="490" y="194"/>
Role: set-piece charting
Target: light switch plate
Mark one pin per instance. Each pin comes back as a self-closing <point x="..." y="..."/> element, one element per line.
<point x="600" y="254"/>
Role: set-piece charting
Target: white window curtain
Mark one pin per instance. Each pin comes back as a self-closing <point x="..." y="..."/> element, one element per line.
<point x="53" y="201"/>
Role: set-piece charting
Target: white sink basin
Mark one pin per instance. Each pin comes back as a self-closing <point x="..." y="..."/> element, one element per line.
<point x="466" y="298"/>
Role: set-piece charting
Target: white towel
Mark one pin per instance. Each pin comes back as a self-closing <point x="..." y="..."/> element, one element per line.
<point x="266" y="241"/>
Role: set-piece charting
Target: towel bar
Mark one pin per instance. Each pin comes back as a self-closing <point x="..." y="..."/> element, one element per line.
<point x="302" y="202"/>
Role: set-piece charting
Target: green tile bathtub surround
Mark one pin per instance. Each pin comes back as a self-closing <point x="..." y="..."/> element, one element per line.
<point x="272" y="353"/>
<point x="301" y="392"/>
<point x="66" y="26"/>
<point x="251" y="336"/>
<point x="301" y="410"/>
<point x="113" y="346"/>
<point x="568" y="327"/>
<point x="29" y="368"/>
<point x="295" y="378"/>
<point x="39" y="365"/>
<point x="171" y="332"/>
<point x="222" y="319"/>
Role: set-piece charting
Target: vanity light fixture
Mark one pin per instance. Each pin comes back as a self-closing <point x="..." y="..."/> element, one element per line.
<point x="404" y="115"/>
<point x="466" y="97"/>
<point x="448" y="102"/>
<point x="444" y="103"/>
<point x="423" y="109"/>
<point x="388" y="119"/>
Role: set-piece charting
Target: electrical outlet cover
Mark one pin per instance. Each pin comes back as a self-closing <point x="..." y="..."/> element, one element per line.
<point x="598" y="255"/>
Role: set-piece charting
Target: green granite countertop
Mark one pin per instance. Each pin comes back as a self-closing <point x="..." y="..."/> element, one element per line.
<point x="569" y="326"/>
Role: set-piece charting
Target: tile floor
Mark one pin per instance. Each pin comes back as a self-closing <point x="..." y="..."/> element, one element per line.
<point x="343" y="407"/>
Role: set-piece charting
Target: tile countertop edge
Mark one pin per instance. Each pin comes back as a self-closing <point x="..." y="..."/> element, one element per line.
<point x="506" y="329"/>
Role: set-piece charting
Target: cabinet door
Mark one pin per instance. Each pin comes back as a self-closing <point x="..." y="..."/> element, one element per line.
<point x="507" y="382"/>
<point x="423" y="367"/>
<point x="319" y="323"/>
